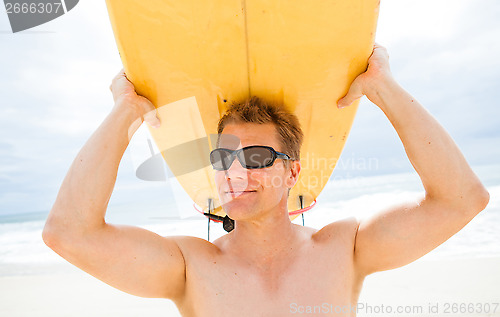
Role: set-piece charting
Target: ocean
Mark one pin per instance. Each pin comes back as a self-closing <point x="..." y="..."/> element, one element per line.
<point x="22" y="250"/>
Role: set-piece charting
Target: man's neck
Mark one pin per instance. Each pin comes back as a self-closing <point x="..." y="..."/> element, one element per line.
<point x="265" y="238"/>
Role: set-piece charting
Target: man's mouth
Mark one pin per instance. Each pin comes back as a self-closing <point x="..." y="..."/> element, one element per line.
<point x="238" y="192"/>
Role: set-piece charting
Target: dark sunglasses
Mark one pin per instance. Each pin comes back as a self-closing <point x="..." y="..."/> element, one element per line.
<point x="250" y="157"/>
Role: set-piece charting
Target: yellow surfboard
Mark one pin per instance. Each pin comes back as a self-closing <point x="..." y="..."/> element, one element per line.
<point x="193" y="58"/>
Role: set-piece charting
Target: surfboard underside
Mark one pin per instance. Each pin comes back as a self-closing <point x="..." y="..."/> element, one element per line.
<point x="303" y="54"/>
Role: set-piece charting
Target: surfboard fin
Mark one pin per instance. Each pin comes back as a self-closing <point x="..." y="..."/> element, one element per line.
<point x="227" y="223"/>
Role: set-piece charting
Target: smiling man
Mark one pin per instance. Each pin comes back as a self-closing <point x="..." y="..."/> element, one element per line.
<point x="252" y="137"/>
<point x="266" y="266"/>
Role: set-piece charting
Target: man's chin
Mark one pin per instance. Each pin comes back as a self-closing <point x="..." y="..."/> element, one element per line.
<point x="237" y="210"/>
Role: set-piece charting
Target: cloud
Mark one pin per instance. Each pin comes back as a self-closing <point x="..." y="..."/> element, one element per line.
<point x="447" y="57"/>
<point x="54" y="93"/>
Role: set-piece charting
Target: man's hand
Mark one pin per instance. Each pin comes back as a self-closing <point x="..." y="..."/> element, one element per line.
<point x="126" y="98"/>
<point x="377" y="74"/>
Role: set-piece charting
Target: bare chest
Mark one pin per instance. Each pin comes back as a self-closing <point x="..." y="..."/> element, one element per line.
<point x="314" y="279"/>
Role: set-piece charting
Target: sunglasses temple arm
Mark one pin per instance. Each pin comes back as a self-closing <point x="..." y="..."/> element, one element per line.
<point x="283" y="156"/>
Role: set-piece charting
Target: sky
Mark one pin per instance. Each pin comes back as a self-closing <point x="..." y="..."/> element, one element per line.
<point x="54" y="92"/>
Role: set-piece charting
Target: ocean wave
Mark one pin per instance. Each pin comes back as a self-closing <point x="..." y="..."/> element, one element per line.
<point x="22" y="241"/>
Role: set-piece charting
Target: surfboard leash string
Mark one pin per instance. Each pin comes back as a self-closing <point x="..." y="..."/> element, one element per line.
<point x="228" y="223"/>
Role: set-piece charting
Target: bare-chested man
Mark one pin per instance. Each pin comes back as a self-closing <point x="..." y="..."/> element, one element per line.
<point x="266" y="265"/>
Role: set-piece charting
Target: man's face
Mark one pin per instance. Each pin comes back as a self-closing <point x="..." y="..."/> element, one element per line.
<point x="246" y="194"/>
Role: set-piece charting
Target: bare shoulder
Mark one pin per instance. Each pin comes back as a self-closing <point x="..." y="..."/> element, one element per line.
<point x="191" y="246"/>
<point x="343" y="230"/>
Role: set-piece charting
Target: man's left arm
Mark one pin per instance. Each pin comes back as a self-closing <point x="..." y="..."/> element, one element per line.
<point x="453" y="193"/>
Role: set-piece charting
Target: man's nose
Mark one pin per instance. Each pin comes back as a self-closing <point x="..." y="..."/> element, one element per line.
<point x="236" y="170"/>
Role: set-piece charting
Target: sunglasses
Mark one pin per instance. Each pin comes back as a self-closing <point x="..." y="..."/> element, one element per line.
<point x="250" y="157"/>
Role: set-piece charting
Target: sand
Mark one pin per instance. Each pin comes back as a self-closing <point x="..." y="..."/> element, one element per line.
<point x="62" y="290"/>
<point x="461" y="287"/>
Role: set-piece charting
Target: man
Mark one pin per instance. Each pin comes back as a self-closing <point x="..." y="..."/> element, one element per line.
<point x="266" y="266"/>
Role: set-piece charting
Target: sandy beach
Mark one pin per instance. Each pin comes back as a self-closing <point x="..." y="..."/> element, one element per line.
<point x="423" y="288"/>
<point x="450" y="285"/>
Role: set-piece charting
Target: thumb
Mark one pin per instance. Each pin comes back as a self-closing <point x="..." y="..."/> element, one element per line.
<point x="355" y="92"/>
<point x="150" y="115"/>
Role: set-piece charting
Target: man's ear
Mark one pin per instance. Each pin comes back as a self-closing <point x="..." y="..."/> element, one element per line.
<point x="293" y="174"/>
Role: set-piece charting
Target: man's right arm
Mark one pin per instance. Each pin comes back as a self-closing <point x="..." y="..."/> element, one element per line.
<point x="129" y="258"/>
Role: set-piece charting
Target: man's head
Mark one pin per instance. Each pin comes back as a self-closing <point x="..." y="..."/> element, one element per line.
<point x="246" y="193"/>
<point x="255" y="110"/>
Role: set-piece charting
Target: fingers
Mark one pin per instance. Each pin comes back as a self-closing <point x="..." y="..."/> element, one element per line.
<point x="377" y="46"/>
<point x="355" y="92"/>
<point x="379" y="53"/>
<point x="119" y="76"/>
<point x="124" y="92"/>
<point x="120" y="85"/>
<point x="356" y="89"/>
<point x="378" y="71"/>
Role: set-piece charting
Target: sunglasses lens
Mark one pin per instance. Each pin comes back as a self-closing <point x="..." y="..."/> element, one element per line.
<point x="250" y="157"/>
<point x="221" y="159"/>
<point x="256" y="157"/>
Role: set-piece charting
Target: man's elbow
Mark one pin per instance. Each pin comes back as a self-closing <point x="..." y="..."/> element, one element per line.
<point x="478" y="199"/>
<point x="63" y="232"/>
<point x="57" y="231"/>
<point x="48" y="238"/>
<point x="484" y="199"/>
<point x="51" y="235"/>
<point x="469" y="202"/>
